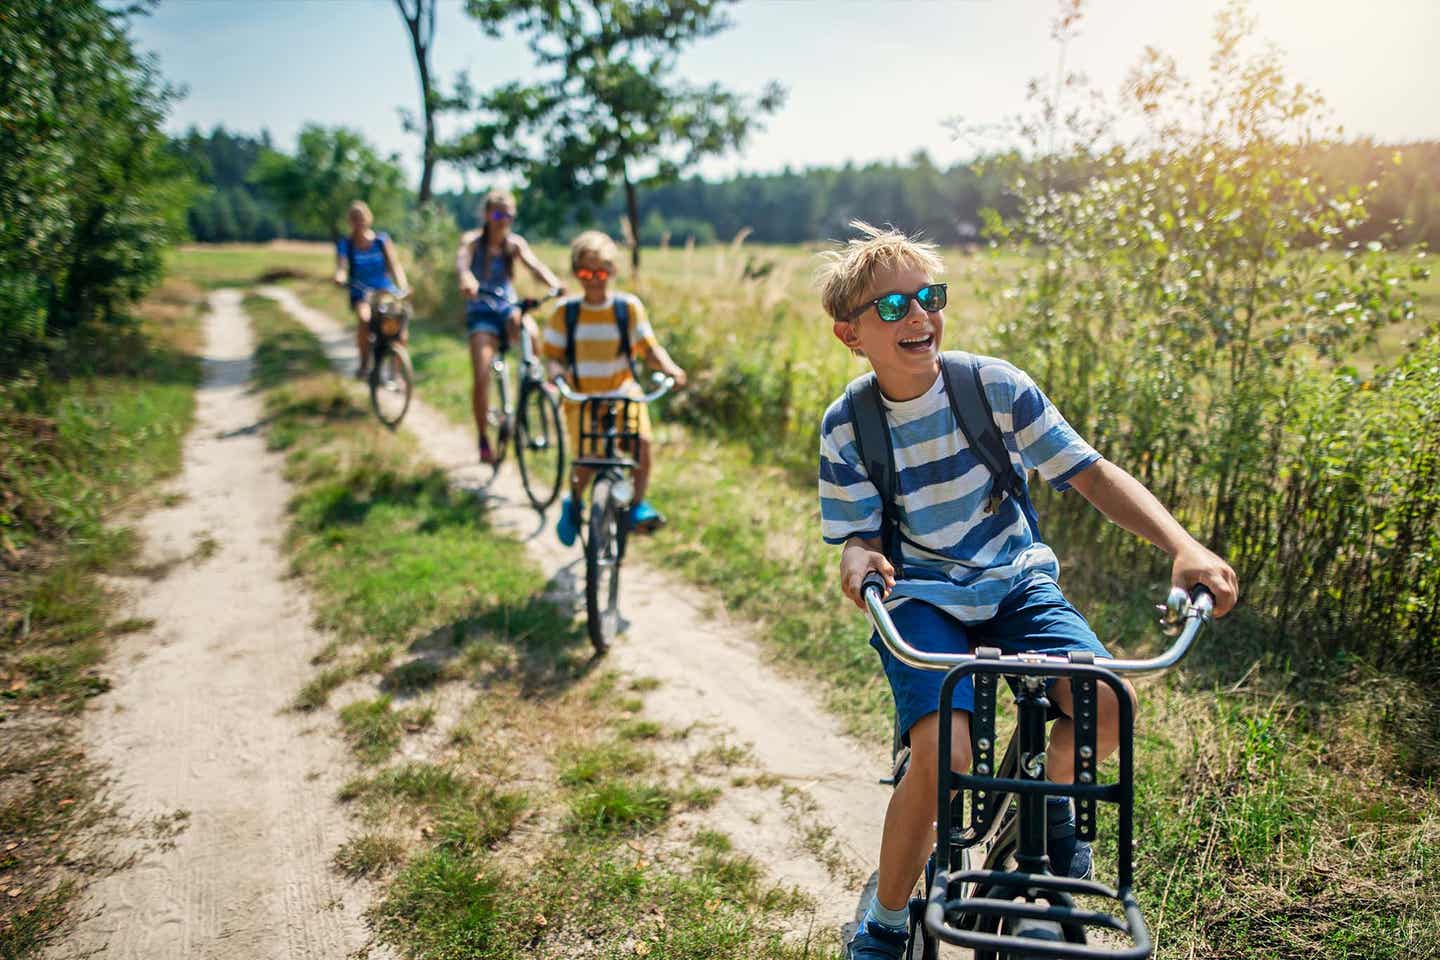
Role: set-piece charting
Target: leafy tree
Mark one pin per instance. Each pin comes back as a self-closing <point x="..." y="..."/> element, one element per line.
<point x="90" y="195"/>
<point x="330" y="169"/>
<point x="612" y="110"/>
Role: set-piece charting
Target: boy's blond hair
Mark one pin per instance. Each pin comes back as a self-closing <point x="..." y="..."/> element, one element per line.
<point x="848" y="270"/>
<point x="596" y="244"/>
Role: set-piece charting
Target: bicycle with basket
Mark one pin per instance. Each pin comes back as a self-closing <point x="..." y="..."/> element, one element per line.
<point x="391" y="377"/>
<point x="608" y="443"/>
<point x="1011" y="906"/>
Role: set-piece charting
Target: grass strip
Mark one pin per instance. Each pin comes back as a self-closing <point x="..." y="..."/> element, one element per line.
<point x="543" y="825"/>
<point x="85" y="439"/>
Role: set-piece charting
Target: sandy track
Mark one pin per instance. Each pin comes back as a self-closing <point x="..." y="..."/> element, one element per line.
<point x="196" y="722"/>
<point x="711" y="669"/>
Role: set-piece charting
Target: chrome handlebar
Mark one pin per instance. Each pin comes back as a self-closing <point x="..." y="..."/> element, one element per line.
<point x="1187" y="611"/>
<point x="663" y="385"/>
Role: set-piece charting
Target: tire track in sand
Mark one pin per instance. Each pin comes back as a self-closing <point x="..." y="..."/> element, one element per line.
<point x="711" y="669"/>
<point x="197" y="721"/>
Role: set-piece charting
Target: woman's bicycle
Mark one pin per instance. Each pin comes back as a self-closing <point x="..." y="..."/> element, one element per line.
<point x="608" y="441"/>
<point x="532" y="419"/>
<point x="391" y="377"/>
<point x="1012" y="906"/>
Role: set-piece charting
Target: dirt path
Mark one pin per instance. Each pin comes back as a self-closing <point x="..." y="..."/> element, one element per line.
<point x="196" y="731"/>
<point x="712" y="671"/>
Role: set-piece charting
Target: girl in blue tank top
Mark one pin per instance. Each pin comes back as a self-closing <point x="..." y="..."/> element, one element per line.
<point x="365" y="261"/>
<point x="485" y="264"/>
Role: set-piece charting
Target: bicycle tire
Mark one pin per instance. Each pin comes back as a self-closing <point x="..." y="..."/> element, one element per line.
<point x="540" y="445"/>
<point x="390" y="397"/>
<point x="498" y="416"/>
<point x="604" y="550"/>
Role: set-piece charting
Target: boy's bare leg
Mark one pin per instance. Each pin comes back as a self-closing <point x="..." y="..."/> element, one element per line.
<point x="483" y="348"/>
<point x="910" y="818"/>
<point x="642" y="469"/>
<point x="579" y="479"/>
<point x="1060" y="758"/>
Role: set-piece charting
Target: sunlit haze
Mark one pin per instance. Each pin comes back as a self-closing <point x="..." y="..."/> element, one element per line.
<point x="866" y="80"/>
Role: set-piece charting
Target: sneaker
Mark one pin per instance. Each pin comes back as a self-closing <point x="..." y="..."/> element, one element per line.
<point x="875" y="941"/>
<point x="487" y="456"/>
<point x="645" y="518"/>
<point x="1069" y="856"/>
<point x="568" y="526"/>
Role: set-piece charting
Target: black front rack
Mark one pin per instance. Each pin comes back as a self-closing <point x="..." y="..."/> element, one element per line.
<point x="609" y="432"/>
<point x="988" y="910"/>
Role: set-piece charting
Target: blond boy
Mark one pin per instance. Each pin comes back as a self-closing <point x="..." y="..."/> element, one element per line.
<point x="601" y="366"/>
<point x="975" y="571"/>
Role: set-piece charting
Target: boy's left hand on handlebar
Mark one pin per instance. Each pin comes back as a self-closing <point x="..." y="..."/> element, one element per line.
<point x="1196" y="565"/>
<point x="677" y="374"/>
<point x="855" y="562"/>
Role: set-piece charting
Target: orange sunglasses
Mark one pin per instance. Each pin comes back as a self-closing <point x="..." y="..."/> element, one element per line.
<point x="585" y="273"/>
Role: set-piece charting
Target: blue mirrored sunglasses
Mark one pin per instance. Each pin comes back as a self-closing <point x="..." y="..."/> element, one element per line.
<point x="892" y="307"/>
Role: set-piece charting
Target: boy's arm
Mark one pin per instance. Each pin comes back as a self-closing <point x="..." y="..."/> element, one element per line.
<point x="1127" y="502"/>
<point x="860" y="556"/>
<point x="552" y="342"/>
<point x="643" y="335"/>
<point x="342" y="265"/>
<point x="533" y="264"/>
<point x="469" y="286"/>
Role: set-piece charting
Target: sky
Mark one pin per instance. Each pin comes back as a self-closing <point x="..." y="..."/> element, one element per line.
<point x="867" y="79"/>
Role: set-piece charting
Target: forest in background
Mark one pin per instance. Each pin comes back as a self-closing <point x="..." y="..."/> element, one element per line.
<point x="794" y="206"/>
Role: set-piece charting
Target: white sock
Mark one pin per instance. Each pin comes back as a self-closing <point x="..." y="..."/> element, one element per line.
<point x="894" y="919"/>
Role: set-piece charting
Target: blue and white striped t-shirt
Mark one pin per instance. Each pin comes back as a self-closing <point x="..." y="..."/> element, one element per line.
<point x="957" y="556"/>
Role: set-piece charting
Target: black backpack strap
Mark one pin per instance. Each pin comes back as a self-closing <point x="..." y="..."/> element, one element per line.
<point x="572" y="320"/>
<point x="877" y="456"/>
<point x="977" y="422"/>
<point x="622" y="326"/>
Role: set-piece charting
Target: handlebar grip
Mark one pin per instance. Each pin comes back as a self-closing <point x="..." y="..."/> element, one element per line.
<point x="872" y="579"/>
<point x="528" y="304"/>
<point x="1201" y="596"/>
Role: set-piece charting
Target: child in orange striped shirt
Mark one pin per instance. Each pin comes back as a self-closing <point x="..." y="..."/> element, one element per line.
<point x="597" y="362"/>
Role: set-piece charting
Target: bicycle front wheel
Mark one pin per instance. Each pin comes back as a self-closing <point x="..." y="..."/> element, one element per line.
<point x="391" y="385"/>
<point x="604" y="549"/>
<point x="540" y="445"/>
<point x="498" y="417"/>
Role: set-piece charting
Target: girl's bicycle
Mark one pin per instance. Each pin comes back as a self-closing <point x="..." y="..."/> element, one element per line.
<point x="532" y="419"/>
<point x="1012" y="906"/>
<point x="391" y="377"/>
<point x="609" y="437"/>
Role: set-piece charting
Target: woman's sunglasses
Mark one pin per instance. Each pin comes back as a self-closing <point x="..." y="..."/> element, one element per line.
<point x="585" y="273"/>
<point x="500" y="216"/>
<point x="894" y="306"/>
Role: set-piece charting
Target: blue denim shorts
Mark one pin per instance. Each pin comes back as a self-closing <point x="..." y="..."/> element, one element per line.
<point x="1034" y="618"/>
<point x="493" y="322"/>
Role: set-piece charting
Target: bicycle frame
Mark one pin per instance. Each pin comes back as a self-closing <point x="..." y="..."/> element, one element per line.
<point x="958" y="901"/>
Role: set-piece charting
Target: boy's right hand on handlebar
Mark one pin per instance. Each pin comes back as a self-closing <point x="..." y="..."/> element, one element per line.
<point x="858" y="559"/>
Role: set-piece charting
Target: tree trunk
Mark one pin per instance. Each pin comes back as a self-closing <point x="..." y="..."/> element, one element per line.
<point x="632" y="212"/>
<point x="421" y="24"/>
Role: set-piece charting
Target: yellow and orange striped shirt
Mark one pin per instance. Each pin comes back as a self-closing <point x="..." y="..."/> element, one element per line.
<point x="600" y="364"/>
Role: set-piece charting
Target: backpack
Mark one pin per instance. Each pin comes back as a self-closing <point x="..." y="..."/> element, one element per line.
<point x="622" y="323"/>
<point x="977" y="422"/>
<point x="350" y="254"/>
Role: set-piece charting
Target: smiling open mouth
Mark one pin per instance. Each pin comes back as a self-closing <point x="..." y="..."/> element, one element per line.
<point x="922" y="342"/>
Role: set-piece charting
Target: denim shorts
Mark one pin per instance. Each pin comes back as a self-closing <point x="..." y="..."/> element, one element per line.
<point x="1034" y="618"/>
<point x="493" y="322"/>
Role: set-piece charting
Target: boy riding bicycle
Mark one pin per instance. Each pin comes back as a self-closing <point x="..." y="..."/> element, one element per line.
<point x="593" y="340"/>
<point x="973" y="568"/>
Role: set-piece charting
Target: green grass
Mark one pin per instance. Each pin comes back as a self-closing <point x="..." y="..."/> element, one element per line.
<point x="86" y="439"/>
<point x="239" y="265"/>
<point x="405" y="569"/>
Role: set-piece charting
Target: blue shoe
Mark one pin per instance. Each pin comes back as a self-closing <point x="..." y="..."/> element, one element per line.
<point x="875" y="941"/>
<point x="1069" y="856"/>
<point x="568" y="527"/>
<point x="644" y="518"/>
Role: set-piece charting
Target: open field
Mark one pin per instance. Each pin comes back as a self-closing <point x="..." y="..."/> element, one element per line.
<point x="1276" y="819"/>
